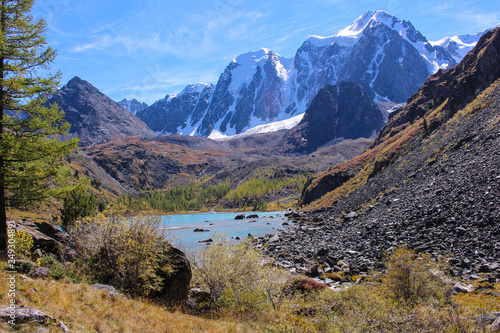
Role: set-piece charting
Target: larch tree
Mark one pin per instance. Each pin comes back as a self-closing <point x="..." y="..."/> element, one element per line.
<point x="31" y="154"/>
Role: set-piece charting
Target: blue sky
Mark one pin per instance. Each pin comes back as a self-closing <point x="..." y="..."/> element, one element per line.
<point x="147" y="49"/>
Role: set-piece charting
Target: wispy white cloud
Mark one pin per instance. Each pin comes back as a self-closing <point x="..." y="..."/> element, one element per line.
<point x="472" y="17"/>
<point x="195" y="37"/>
<point x="154" y="82"/>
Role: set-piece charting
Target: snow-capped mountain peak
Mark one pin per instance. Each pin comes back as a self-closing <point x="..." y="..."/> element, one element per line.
<point x="365" y="20"/>
<point x="253" y="57"/>
<point x="192" y="88"/>
<point x="245" y="66"/>
<point x="349" y="35"/>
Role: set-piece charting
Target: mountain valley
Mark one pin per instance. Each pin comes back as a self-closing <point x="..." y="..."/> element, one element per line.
<point x="368" y="178"/>
<point x="321" y="127"/>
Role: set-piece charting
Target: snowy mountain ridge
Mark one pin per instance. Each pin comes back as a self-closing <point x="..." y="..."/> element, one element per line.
<point x="133" y="106"/>
<point x="459" y="45"/>
<point x="388" y="57"/>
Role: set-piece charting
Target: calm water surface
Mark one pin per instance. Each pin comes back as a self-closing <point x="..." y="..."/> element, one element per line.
<point x="180" y="228"/>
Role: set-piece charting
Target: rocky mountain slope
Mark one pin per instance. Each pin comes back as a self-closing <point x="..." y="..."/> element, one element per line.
<point x="93" y="116"/>
<point x="342" y="111"/>
<point x="388" y="57"/>
<point x="142" y="164"/>
<point x="431" y="181"/>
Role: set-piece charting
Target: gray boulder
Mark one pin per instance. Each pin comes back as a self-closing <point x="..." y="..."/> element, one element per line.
<point x="109" y="289"/>
<point x="26" y="314"/>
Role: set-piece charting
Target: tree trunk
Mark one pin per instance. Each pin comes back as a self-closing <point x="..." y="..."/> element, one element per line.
<point x="3" y="214"/>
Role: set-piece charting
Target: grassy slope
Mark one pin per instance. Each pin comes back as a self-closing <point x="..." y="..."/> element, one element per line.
<point x="361" y="308"/>
<point x="84" y="309"/>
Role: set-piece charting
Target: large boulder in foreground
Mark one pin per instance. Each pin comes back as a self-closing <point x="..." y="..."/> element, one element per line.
<point x="176" y="285"/>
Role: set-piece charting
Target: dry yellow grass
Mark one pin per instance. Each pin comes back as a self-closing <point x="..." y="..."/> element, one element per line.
<point x="84" y="309"/>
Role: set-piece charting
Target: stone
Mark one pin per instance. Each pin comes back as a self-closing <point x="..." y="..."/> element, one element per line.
<point x="322" y="252"/>
<point x="42" y="329"/>
<point x="200" y="230"/>
<point x="109" y="289"/>
<point x="490" y="292"/>
<point x="461" y="231"/>
<point x="26" y="314"/>
<point x="495" y="327"/>
<point x="63" y="327"/>
<point x="239" y="217"/>
<point x="252" y="216"/>
<point x="40" y="240"/>
<point x="25" y="278"/>
<point x="460" y="287"/>
<point x="274" y="239"/>
<point x="208" y="240"/>
<point x="197" y="297"/>
<point x="285" y="264"/>
<point x="41" y="272"/>
<point x="485" y="268"/>
<point x="351" y="215"/>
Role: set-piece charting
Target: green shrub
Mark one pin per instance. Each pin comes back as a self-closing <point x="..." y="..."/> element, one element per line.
<point x="238" y="277"/>
<point x="129" y="253"/>
<point x="24" y="244"/>
<point x="412" y="279"/>
<point x="25" y="267"/>
<point x="77" y="204"/>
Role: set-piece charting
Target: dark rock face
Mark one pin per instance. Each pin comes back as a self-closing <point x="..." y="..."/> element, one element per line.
<point x="342" y="111"/>
<point x="396" y="74"/>
<point x="46" y="237"/>
<point x="174" y="113"/>
<point x="94" y="116"/>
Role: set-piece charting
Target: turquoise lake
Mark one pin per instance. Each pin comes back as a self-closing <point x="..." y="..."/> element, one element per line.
<point x="179" y="229"/>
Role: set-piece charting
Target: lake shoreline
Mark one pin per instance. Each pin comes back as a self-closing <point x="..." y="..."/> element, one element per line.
<point x="190" y="229"/>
